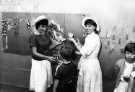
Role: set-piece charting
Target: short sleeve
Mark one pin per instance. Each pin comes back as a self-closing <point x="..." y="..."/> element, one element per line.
<point x="32" y="41"/>
<point x="58" y="73"/>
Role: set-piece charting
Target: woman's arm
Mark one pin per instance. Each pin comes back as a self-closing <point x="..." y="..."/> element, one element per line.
<point x="34" y="50"/>
<point x="89" y="46"/>
<point x="55" y="85"/>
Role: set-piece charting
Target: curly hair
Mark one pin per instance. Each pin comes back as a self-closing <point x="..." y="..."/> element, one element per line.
<point x="67" y="50"/>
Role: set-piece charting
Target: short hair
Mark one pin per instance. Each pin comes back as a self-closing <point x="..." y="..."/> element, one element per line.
<point x="41" y="22"/>
<point x="67" y="50"/>
<point x="130" y="47"/>
<point x="91" y="22"/>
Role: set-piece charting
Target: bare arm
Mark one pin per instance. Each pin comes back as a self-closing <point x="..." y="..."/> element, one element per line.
<point x="34" y="50"/>
<point x="56" y="82"/>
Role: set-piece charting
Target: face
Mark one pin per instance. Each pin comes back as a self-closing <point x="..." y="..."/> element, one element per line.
<point x="130" y="57"/>
<point x="42" y="29"/>
<point x="89" y="28"/>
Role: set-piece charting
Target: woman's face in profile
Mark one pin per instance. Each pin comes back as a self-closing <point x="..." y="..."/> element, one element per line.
<point x="42" y="29"/>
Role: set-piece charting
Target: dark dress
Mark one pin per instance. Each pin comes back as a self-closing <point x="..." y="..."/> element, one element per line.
<point x="66" y="74"/>
<point x="42" y="42"/>
<point x="67" y="45"/>
<point x="41" y="72"/>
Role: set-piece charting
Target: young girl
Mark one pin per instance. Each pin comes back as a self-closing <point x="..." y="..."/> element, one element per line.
<point x="65" y="75"/>
<point x="125" y="69"/>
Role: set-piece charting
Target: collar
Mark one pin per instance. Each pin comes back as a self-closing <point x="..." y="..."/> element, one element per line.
<point x="92" y="33"/>
<point x="67" y="62"/>
<point x="129" y="63"/>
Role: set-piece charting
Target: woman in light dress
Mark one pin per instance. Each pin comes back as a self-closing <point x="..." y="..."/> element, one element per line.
<point x="90" y="75"/>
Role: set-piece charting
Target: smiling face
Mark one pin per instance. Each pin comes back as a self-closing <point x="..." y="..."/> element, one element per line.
<point x="130" y="57"/>
<point x="129" y="52"/>
<point x="89" y="28"/>
<point x="42" y="28"/>
<point x="41" y="25"/>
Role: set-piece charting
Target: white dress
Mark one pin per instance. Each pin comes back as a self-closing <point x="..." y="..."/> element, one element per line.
<point x="41" y="75"/>
<point x="90" y="75"/>
<point x="123" y="86"/>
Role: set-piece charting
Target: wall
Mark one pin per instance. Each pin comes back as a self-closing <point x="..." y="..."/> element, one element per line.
<point x="116" y="18"/>
<point x="113" y="39"/>
<point x="18" y="49"/>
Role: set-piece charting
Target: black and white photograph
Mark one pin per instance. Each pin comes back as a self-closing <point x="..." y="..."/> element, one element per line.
<point x="67" y="46"/>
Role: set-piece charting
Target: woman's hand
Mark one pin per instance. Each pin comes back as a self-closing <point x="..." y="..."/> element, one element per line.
<point x="70" y="35"/>
<point x="51" y="59"/>
<point x="72" y="39"/>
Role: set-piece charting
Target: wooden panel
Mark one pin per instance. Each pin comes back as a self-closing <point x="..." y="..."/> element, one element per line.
<point x="15" y="69"/>
<point x="16" y="77"/>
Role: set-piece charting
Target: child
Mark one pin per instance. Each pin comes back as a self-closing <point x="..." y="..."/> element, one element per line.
<point x="124" y="68"/>
<point x="64" y="79"/>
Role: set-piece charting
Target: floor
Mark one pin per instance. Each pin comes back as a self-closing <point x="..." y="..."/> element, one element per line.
<point x="107" y="87"/>
<point x="9" y="88"/>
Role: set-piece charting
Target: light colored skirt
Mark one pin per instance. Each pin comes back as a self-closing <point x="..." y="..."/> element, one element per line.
<point x="41" y="75"/>
<point x="90" y="76"/>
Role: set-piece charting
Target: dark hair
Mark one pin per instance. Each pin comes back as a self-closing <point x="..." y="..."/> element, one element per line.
<point x="91" y="22"/>
<point x="130" y="47"/>
<point x="41" y="22"/>
<point x="67" y="50"/>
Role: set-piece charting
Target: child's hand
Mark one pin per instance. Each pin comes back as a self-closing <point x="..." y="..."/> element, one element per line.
<point x="133" y="74"/>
